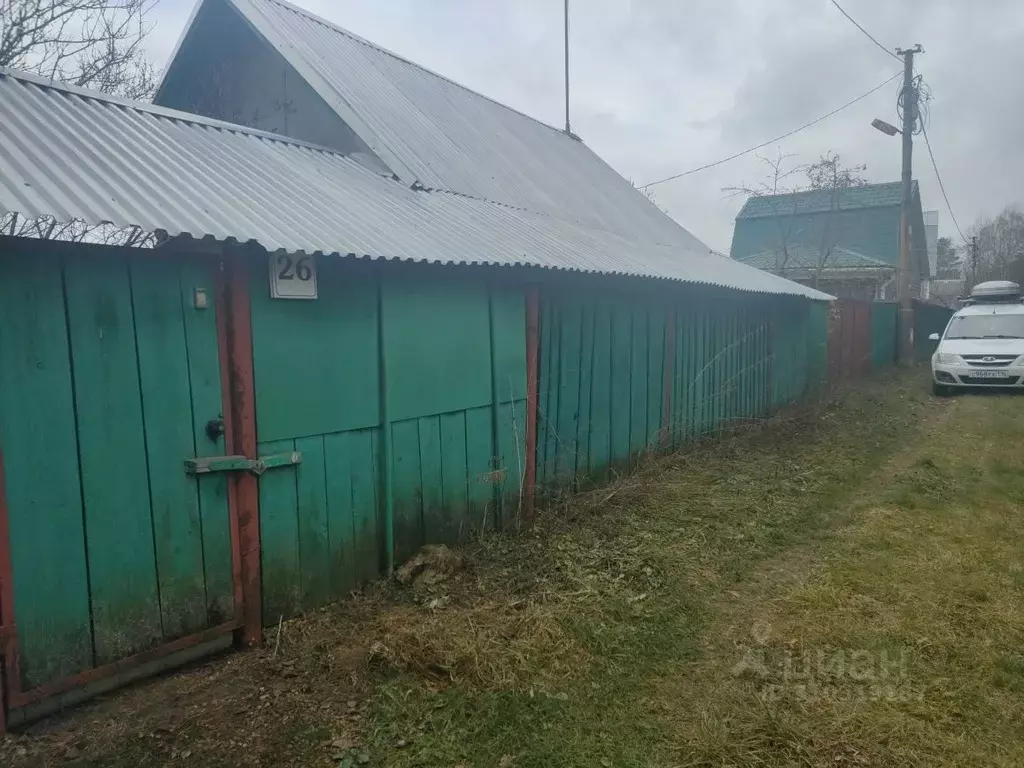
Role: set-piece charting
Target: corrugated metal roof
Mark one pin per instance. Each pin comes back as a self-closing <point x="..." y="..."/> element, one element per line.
<point x="431" y="130"/>
<point x="76" y="155"/>
<point x="804" y="257"/>
<point x="820" y="200"/>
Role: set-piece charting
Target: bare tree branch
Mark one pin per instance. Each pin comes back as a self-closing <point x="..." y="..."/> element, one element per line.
<point x="89" y="43"/>
<point x="75" y="231"/>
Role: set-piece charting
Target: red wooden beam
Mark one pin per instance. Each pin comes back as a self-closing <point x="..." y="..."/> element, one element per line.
<point x="532" y="384"/>
<point x="65" y="684"/>
<point x="670" y="364"/>
<point x="222" y="305"/>
<point x="240" y="426"/>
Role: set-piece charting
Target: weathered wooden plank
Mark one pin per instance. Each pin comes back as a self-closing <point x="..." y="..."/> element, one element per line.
<point x="406" y="480"/>
<point x="340" y="516"/>
<point x="279" y="538"/>
<point x="366" y="504"/>
<point x="112" y="448"/>
<point x="584" y="421"/>
<point x="316" y="362"/>
<point x="454" y="476"/>
<point x="314" y="538"/>
<point x="509" y="313"/>
<point x="656" y="317"/>
<point x="638" y="374"/>
<point x="439" y="346"/>
<point x="481" y="476"/>
<point x="622" y="380"/>
<point x="41" y="478"/>
<point x="512" y="444"/>
<point x="170" y="438"/>
<point x="434" y="520"/>
<point x="212" y="490"/>
<point x="568" y="388"/>
<point x="550" y="390"/>
<point x="600" y="448"/>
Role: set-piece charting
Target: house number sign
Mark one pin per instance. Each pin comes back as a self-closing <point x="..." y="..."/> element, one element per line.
<point x="292" y="276"/>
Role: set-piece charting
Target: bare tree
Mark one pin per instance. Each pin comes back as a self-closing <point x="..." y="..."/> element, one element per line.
<point x="1000" y="246"/>
<point x="826" y="174"/>
<point x="781" y="195"/>
<point x="89" y="43"/>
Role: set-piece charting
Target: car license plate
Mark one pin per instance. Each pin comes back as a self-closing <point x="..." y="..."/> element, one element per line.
<point x="989" y="374"/>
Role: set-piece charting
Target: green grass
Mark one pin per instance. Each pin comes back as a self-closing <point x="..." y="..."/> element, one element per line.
<point x="840" y="586"/>
<point x="635" y="590"/>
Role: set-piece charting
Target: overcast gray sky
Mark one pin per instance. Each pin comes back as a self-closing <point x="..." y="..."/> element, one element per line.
<point x="661" y="86"/>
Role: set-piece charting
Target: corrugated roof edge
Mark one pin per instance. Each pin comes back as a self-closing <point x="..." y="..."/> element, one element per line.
<point x="745" y="214"/>
<point x="170" y="114"/>
<point x="191" y="119"/>
<point x="354" y="120"/>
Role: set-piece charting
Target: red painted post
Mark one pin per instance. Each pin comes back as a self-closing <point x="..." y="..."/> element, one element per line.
<point x="240" y="426"/>
<point x="532" y="384"/>
<point x="670" y="364"/>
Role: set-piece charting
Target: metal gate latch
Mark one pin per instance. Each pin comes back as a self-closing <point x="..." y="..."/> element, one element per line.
<point x="207" y="464"/>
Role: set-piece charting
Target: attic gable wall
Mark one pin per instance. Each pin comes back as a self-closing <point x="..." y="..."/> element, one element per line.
<point x="225" y="70"/>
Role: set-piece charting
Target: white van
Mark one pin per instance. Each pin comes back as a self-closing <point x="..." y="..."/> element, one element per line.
<point x="983" y="344"/>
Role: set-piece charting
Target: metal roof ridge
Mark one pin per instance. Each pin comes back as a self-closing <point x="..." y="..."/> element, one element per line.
<point x="170" y="114"/>
<point x="369" y="43"/>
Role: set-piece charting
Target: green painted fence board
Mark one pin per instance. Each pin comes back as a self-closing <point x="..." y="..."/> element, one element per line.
<point x="454" y="476"/>
<point x="600" y="450"/>
<point x="569" y="388"/>
<point x="338" y="490"/>
<point x="207" y="403"/>
<point x="509" y="313"/>
<point x="621" y="394"/>
<point x="37" y="437"/>
<point x="656" y="319"/>
<point x="409" y="534"/>
<point x="315" y="362"/>
<point x="549" y="390"/>
<point x="279" y="538"/>
<point x="480" y="474"/>
<point x="434" y="520"/>
<point x="366" y="504"/>
<point x="112" y="447"/>
<point x="638" y="368"/>
<point x="884" y="317"/>
<point x="170" y="438"/>
<point x="313" y="526"/>
<point x="584" y="424"/>
<point x="512" y="457"/>
<point x="438" y="338"/>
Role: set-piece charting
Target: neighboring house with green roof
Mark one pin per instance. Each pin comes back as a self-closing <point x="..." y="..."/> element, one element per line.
<point x="842" y="241"/>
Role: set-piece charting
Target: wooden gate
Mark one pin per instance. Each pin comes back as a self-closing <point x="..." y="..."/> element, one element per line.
<point x="111" y="378"/>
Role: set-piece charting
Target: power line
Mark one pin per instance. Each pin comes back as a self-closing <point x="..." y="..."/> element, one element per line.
<point x="942" y="186"/>
<point x="772" y="141"/>
<point x="858" y="26"/>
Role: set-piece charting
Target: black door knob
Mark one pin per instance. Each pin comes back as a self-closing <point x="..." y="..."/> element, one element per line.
<point x="214" y="429"/>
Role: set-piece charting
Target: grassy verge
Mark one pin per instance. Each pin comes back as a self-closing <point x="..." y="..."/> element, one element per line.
<point x="584" y="644"/>
<point x="839" y="586"/>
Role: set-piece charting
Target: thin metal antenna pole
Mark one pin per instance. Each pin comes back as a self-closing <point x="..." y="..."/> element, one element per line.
<point x="568" y="129"/>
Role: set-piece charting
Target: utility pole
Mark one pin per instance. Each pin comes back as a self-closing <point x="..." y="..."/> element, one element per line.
<point x="909" y="121"/>
<point x="568" y="129"/>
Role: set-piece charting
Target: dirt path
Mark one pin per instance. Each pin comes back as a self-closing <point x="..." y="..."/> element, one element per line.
<point x="841" y="586"/>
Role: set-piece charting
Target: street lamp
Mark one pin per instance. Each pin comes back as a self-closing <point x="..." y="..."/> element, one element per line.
<point x="884" y="127"/>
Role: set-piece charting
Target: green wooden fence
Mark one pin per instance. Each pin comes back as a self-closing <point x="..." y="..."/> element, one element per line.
<point x="608" y="356"/>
